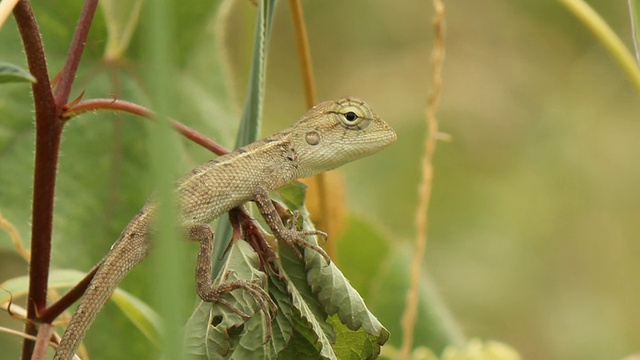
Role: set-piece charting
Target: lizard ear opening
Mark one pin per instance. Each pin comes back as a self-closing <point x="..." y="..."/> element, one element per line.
<point x="312" y="138"/>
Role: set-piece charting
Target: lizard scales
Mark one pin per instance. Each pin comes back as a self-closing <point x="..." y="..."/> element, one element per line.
<point x="329" y="135"/>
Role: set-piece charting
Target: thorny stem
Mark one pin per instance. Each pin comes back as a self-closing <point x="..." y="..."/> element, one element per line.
<point x="199" y="138"/>
<point x="49" y="124"/>
<point x="48" y="137"/>
<point x="68" y="74"/>
<point x="424" y="190"/>
<point x="129" y="107"/>
<point x="48" y="131"/>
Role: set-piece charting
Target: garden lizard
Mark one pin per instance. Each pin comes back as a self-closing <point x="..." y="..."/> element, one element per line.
<point x="329" y="135"/>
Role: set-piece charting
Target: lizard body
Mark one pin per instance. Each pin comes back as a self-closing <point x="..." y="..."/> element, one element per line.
<point x="329" y="135"/>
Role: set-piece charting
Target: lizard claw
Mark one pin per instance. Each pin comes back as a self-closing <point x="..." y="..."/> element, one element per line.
<point x="287" y="233"/>
<point x="294" y="238"/>
<point x="254" y="288"/>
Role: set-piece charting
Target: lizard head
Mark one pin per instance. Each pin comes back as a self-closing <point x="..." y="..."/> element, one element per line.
<point x="333" y="133"/>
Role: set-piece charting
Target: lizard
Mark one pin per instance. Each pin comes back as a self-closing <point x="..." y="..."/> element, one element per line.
<point x="327" y="136"/>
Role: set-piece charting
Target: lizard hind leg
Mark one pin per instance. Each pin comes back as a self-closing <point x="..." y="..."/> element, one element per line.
<point x="215" y="293"/>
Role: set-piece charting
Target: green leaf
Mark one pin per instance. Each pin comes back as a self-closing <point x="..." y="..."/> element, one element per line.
<point x="310" y="310"/>
<point x="307" y="292"/>
<point x="135" y="309"/>
<point x="252" y="114"/>
<point x="292" y="195"/>
<point x="250" y="124"/>
<point x="353" y="344"/>
<point x="19" y="286"/>
<point x="379" y="267"/>
<point x="13" y="73"/>
<point x="337" y="296"/>
<point x="114" y="186"/>
<point x="141" y="314"/>
<point x="214" y="331"/>
<point x="117" y="188"/>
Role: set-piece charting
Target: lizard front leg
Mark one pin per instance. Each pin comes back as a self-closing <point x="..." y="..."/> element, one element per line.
<point x="290" y="236"/>
<point x="214" y="293"/>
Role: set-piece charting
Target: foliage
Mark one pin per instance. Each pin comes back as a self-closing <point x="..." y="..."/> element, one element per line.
<point x="306" y="303"/>
<point x="12" y="73"/>
<point x="534" y="215"/>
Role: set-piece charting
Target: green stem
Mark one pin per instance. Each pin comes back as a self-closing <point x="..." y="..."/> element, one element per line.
<point x="607" y="37"/>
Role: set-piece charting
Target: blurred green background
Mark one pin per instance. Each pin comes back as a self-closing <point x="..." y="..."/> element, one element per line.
<point x="535" y="214"/>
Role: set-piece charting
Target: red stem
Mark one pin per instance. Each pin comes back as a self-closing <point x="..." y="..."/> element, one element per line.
<point x="48" y="136"/>
<point x="68" y="73"/>
<point x="69" y="298"/>
<point x="199" y="138"/>
<point x="48" y="130"/>
<point x="129" y="107"/>
<point x="52" y="312"/>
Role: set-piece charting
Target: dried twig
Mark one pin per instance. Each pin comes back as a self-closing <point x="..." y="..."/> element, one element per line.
<point x="424" y="190"/>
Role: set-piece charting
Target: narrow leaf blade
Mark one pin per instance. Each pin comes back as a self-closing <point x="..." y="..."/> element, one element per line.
<point x="13" y="73"/>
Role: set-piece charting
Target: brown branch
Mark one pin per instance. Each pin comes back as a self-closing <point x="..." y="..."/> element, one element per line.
<point x="48" y="131"/>
<point x="68" y="73"/>
<point x="69" y="298"/>
<point x="199" y="138"/>
<point x="410" y="314"/>
<point x="84" y="106"/>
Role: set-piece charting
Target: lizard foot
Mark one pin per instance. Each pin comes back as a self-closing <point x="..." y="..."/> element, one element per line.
<point x="288" y="234"/>
<point x="253" y="287"/>
<point x="215" y="293"/>
<point x="294" y="238"/>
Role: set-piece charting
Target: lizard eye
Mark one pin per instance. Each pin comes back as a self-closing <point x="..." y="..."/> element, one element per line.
<point x="350" y="116"/>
